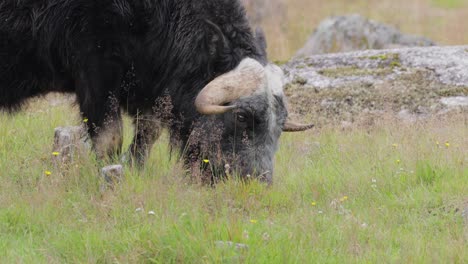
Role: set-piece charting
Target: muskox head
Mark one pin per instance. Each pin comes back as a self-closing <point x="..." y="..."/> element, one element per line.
<point x="244" y="113"/>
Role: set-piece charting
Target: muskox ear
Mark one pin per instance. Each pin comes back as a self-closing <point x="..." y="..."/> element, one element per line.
<point x="260" y="39"/>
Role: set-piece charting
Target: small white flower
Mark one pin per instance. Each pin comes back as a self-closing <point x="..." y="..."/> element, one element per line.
<point x="320" y="212"/>
<point x="139" y="210"/>
<point x="151" y="213"/>
<point x="245" y="234"/>
<point x="374" y="180"/>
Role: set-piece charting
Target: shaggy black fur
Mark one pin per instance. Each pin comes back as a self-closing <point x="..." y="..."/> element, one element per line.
<point x="87" y="47"/>
<point x="121" y="53"/>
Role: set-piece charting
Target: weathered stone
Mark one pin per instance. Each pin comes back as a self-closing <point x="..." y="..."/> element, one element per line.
<point x="111" y="176"/>
<point x="447" y="64"/>
<point x="68" y="143"/>
<point x="410" y="83"/>
<point x="229" y="244"/>
<point x="455" y="101"/>
<point x="462" y="208"/>
<point x="354" y="32"/>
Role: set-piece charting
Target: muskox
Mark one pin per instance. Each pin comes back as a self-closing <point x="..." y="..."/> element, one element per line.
<point x="193" y="66"/>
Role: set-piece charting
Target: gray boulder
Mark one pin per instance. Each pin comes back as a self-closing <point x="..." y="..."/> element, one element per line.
<point x="69" y="143"/>
<point x="409" y="83"/>
<point x="111" y="176"/>
<point x="354" y="32"/>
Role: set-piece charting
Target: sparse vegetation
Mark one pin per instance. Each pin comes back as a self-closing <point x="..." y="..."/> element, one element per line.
<point x="354" y="71"/>
<point x="413" y="92"/>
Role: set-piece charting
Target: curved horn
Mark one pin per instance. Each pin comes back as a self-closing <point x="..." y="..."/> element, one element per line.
<point x="291" y="126"/>
<point x="242" y="81"/>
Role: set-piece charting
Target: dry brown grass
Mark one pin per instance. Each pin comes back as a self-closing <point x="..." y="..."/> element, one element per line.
<point x="288" y="23"/>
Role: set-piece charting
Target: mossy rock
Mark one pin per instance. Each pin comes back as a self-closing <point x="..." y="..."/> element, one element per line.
<point x="344" y="87"/>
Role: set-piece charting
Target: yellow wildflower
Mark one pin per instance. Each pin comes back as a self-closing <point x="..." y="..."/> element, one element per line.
<point x="344" y="198"/>
<point x="56" y="153"/>
<point x="398" y="161"/>
<point x="253" y="221"/>
<point x="206" y="161"/>
<point x="47" y="173"/>
<point x="85" y="120"/>
<point x="313" y="203"/>
<point x="447" y="144"/>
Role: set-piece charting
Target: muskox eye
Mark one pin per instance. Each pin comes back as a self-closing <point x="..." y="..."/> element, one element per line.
<point x="241" y="118"/>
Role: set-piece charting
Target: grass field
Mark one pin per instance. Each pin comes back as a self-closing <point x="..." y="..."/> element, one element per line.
<point x="388" y="193"/>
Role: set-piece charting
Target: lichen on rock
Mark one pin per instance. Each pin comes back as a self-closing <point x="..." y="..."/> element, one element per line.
<point x="413" y="82"/>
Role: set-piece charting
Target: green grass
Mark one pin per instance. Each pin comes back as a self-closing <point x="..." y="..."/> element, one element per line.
<point x="386" y="193"/>
<point x="449" y="3"/>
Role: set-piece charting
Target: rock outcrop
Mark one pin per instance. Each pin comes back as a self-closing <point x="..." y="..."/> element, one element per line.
<point x="354" y="32"/>
<point x="410" y="83"/>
